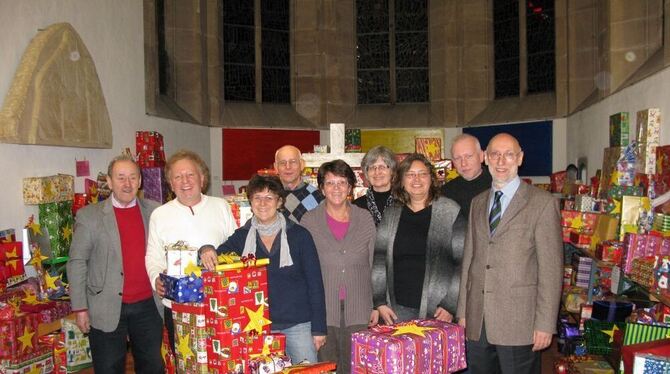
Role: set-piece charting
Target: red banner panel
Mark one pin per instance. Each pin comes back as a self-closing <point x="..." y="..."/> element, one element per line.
<point x="247" y="150"/>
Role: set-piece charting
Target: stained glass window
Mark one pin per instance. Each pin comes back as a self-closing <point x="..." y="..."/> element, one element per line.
<point x="275" y="51"/>
<point x="238" y="50"/>
<point x="372" y="51"/>
<point x="506" y="47"/>
<point x="407" y="62"/>
<point x="411" y="50"/>
<point x="540" y="36"/>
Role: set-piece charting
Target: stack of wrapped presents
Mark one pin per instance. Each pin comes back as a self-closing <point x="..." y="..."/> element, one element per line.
<point x="616" y="296"/>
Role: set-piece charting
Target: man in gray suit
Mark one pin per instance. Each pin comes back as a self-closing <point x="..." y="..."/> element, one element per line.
<point x="109" y="286"/>
<point x="512" y="269"/>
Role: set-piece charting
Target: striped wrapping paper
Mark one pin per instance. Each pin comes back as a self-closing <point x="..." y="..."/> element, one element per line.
<point x="642" y="333"/>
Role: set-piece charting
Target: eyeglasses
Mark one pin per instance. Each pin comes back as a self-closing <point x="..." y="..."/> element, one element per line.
<point x="338" y="184"/>
<point x="267" y="199"/>
<point x="292" y="162"/>
<point x="415" y="174"/>
<point x="509" y="156"/>
<point x="378" y="168"/>
<point x="464" y="157"/>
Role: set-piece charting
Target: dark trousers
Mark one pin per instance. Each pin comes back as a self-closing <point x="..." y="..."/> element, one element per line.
<point x="486" y="358"/>
<point x="139" y="322"/>
<point x="169" y="325"/>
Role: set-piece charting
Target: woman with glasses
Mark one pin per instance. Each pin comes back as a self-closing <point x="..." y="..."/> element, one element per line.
<point x="378" y="166"/>
<point x="297" y="307"/>
<point x="419" y="248"/>
<point x="345" y="236"/>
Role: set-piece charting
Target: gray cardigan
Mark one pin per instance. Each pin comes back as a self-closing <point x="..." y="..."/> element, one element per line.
<point x="346" y="263"/>
<point x="444" y="254"/>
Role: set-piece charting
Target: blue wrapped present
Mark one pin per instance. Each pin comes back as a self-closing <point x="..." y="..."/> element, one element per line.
<point x="651" y="364"/>
<point x="186" y="289"/>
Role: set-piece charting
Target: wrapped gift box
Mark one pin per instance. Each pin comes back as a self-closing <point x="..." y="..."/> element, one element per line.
<point x="154" y="184"/>
<point x="77" y="346"/>
<point x="190" y="337"/>
<point x="651" y="364"/>
<point x="272" y="363"/>
<point x="634" y="210"/>
<point x="11" y="260"/>
<point x="583" y="222"/>
<point x="641" y="333"/>
<point x="600" y="336"/>
<point x="149" y="149"/>
<point x="265" y="344"/>
<point x="56" y="220"/>
<point x="611" y="156"/>
<point x="585" y="203"/>
<point x="236" y="308"/>
<point x="610" y="251"/>
<point x="40" y="361"/>
<point x="619" y="129"/>
<point x="186" y="289"/>
<point x="557" y="181"/>
<point x="629" y="352"/>
<point x="57" y="345"/>
<point x="7" y="235"/>
<point x="649" y="126"/>
<point x="316" y="368"/>
<point x="422" y="346"/>
<point x="52" y="189"/>
<point x="19" y="336"/>
<point x="181" y="259"/>
<point x="47" y="311"/>
<point x="642" y="271"/>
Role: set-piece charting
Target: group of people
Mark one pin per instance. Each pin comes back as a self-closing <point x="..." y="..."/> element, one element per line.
<point x="485" y="251"/>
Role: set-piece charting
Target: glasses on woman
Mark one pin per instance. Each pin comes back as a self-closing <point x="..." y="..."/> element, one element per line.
<point x="509" y="156"/>
<point x="381" y="167"/>
<point x="336" y="184"/>
<point x="264" y="199"/>
<point x="417" y="174"/>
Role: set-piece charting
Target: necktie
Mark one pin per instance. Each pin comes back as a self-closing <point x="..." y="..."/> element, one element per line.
<point x="496" y="212"/>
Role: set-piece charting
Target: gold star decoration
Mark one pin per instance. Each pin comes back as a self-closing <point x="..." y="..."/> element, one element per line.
<point x="49" y="191"/>
<point x="34" y="369"/>
<point x="192" y="268"/>
<point x="67" y="232"/>
<point x="256" y="320"/>
<point x="611" y="332"/>
<point x="412" y="329"/>
<point x="6" y="240"/>
<point x="615" y="177"/>
<point x="13" y="257"/>
<point x="37" y="258"/>
<point x="15" y="304"/>
<point x="184" y="347"/>
<point x="577" y="222"/>
<point x="34" y="227"/>
<point x="164" y="352"/>
<point x="51" y="281"/>
<point x="26" y="339"/>
<point x="30" y="298"/>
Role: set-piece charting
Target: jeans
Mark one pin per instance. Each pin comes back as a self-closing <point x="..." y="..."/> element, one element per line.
<point x="299" y="343"/>
<point x="141" y="323"/>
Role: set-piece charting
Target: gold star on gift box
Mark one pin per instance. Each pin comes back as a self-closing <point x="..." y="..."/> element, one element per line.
<point x="611" y="332"/>
<point x="256" y="320"/>
<point x="184" y="347"/>
<point x="412" y="329"/>
<point x="27" y="338"/>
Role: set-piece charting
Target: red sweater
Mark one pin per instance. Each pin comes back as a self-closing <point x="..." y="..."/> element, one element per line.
<point x="136" y="284"/>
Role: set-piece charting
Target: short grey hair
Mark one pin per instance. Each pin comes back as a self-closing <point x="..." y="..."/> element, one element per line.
<point x="464" y="136"/>
<point x="119" y="158"/>
<point x="376" y="152"/>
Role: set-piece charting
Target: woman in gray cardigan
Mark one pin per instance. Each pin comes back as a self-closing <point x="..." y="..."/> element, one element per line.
<point x="344" y="235"/>
<point x="419" y="248"/>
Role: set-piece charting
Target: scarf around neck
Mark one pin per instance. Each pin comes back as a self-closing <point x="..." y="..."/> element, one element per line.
<point x="372" y="205"/>
<point x="268" y="230"/>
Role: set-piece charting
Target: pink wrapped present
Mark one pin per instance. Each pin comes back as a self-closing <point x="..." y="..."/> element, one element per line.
<point x="417" y="346"/>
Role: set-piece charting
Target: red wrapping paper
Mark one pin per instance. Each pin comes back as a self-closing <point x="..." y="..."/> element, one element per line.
<point x="19" y="336"/>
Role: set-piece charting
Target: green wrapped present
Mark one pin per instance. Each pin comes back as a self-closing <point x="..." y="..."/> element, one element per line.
<point x="57" y="219"/>
<point x="619" y="129"/>
<point x="637" y="333"/>
<point x="601" y="336"/>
